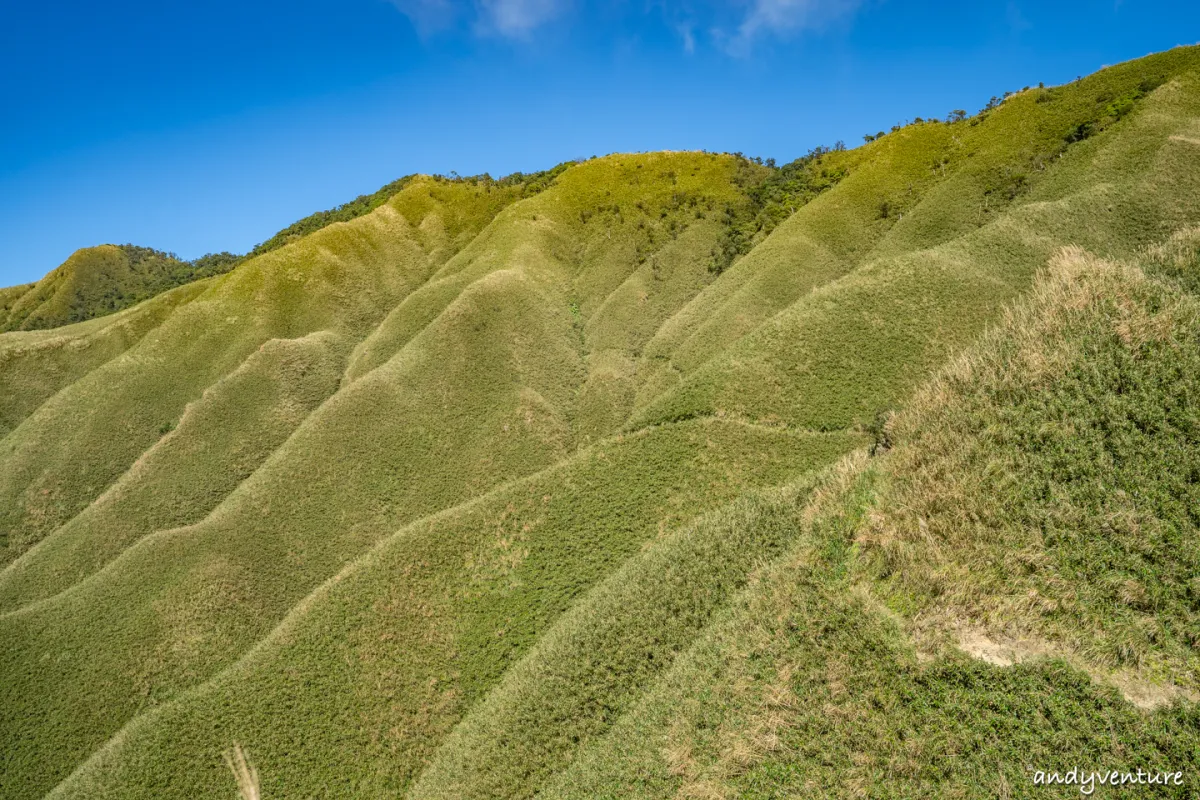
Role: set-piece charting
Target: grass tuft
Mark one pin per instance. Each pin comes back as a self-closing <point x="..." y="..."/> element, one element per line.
<point x="243" y="772"/>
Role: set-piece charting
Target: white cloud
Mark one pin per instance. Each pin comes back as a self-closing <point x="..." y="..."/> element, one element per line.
<point x="428" y="16"/>
<point x="511" y="18"/>
<point x="735" y="25"/>
<point x="517" y="18"/>
<point x="689" y="38"/>
<point x="783" y="17"/>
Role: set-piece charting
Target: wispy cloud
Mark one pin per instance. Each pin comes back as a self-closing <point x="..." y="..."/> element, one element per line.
<point x="429" y="16"/>
<point x="688" y="34"/>
<point x="509" y="18"/>
<point x="735" y="26"/>
<point x="785" y="17"/>
<point x="1016" y="20"/>
<point x="518" y="18"/>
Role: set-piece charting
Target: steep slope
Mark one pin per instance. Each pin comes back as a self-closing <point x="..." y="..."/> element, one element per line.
<point x="1059" y="464"/>
<point x="911" y="190"/>
<point x="991" y="526"/>
<point x="96" y="281"/>
<point x="220" y="440"/>
<point x="436" y="500"/>
<point x="843" y="352"/>
<point x="525" y="185"/>
<point x="10" y="295"/>
<point x="341" y="279"/>
<point x="35" y="365"/>
<point x="481" y="394"/>
<point x="384" y="659"/>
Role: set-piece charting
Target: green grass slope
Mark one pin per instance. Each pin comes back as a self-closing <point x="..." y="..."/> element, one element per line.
<point x="465" y="489"/>
<point x="341" y="279"/>
<point x="631" y="627"/>
<point x="386" y="657"/>
<point x="845" y="350"/>
<point x="482" y="393"/>
<point x="220" y="440"/>
<point x="35" y="365"/>
<point x="1057" y="473"/>
<point x="806" y="687"/>
<point x="1037" y="507"/>
<point x="524" y="185"/>
<point x="458" y="429"/>
<point x="911" y="190"/>
<point x="10" y="295"/>
<point x="602" y="223"/>
<point x="96" y="281"/>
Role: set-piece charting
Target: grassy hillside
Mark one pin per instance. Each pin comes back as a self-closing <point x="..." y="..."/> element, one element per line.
<point x="219" y="441"/>
<point x="385" y="659"/>
<point x="1054" y="477"/>
<point x="365" y="204"/>
<point x="34" y="365"/>
<point x="1028" y="514"/>
<point x="96" y="281"/>
<point x="896" y="291"/>
<point x="478" y="488"/>
<point x="10" y="295"/>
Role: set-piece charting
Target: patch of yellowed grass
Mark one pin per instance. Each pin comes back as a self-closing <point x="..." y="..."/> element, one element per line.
<point x="244" y="773"/>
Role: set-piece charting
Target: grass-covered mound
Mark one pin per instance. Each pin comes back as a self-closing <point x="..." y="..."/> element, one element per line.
<point x="96" y="281"/>
<point x="342" y="280"/>
<point x="822" y="323"/>
<point x="218" y="442"/>
<point x="807" y="687"/>
<point x="34" y="365"/>
<point x="465" y="489"/>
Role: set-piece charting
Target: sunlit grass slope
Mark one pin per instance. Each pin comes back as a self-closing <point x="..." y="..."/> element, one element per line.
<point x="479" y="398"/>
<point x="10" y="295"/>
<point x="482" y="393"/>
<point x="341" y="279"/>
<point x="593" y="663"/>
<point x="481" y="488"/>
<point x="984" y="203"/>
<point x="220" y="440"/>
<point x="34" y="365"/>
<point x="1037" y="506"/>
<point x="384" y="659"/>
<point x="807" y="687"/>
<point x="1049" y="484"/>
<point x="93" y="282"/>
<point x="619" y="243"/>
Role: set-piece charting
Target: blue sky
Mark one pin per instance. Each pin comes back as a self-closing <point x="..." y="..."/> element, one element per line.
<point x="204" y="126"/>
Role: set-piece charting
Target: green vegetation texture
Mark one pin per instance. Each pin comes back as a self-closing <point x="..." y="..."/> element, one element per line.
<point x="100" y="280"/>
<point x="664" y="475"/>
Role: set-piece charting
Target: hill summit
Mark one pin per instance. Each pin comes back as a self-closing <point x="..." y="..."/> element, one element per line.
<point x="100" y="280"/>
